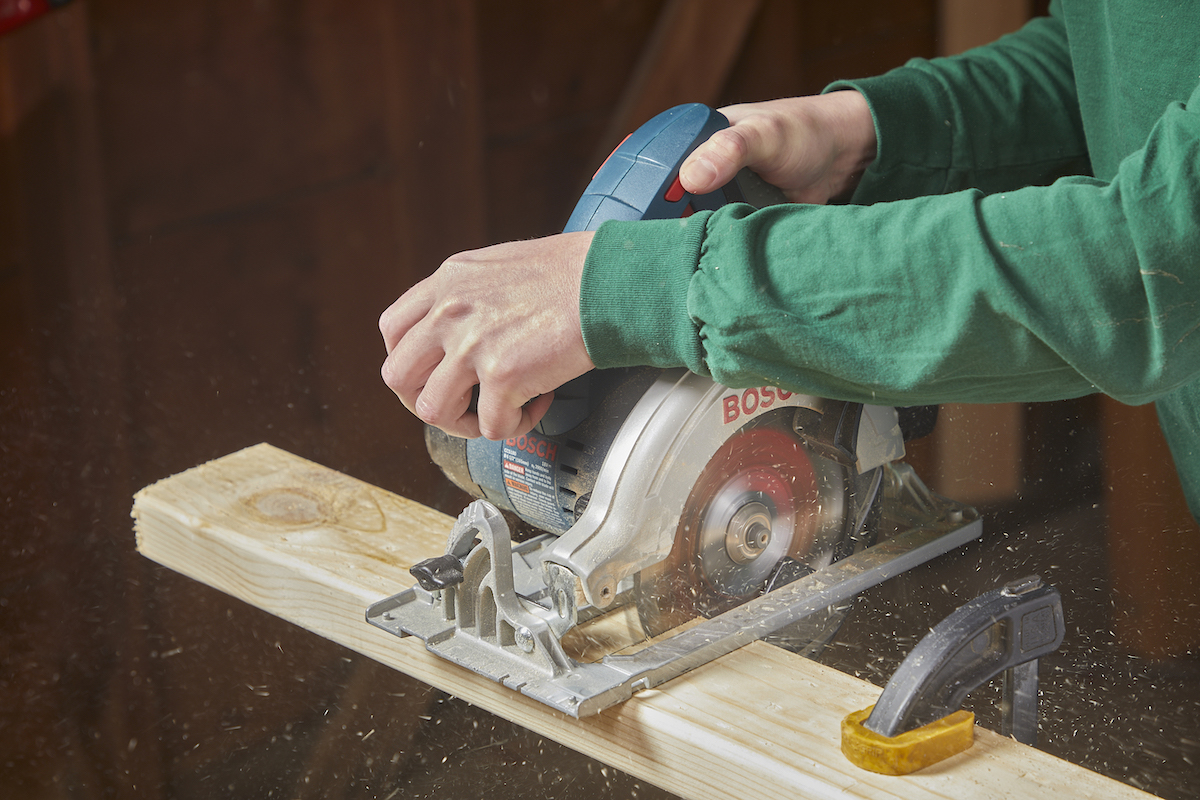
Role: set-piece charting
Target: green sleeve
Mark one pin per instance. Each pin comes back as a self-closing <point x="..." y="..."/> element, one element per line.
<point x="994" y="118"/>
<point x="1036" y="294"/>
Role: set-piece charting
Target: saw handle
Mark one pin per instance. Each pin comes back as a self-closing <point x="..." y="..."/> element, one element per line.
<point x="640" y="179"/>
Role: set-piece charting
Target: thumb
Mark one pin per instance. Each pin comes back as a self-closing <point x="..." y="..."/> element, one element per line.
<point x="716" y="161"/>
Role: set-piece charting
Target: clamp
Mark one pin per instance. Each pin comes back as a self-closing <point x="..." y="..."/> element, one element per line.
<point x="917" y="720"/>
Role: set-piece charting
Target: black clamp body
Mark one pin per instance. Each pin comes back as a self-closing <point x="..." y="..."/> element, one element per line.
<point x="1005" y="630"/>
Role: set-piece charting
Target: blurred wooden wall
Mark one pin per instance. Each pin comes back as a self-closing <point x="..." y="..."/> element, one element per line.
<point x="203" y="209"/>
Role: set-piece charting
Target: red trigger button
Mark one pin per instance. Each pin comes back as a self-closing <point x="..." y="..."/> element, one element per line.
<point x="675" y="192"/>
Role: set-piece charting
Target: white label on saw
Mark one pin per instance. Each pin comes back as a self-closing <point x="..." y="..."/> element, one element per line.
<point x="528" y="464"/>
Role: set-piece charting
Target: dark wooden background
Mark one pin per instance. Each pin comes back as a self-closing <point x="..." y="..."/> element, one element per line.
<point x="204" y="207"/>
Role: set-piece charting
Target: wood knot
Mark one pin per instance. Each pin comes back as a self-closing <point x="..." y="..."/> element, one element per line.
<point x="289" y="506"/>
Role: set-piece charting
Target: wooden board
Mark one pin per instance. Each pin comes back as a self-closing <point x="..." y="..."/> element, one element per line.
<point x="316" y="547"/>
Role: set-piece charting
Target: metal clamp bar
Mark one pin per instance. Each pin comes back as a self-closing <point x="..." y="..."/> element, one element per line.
<point x="598" y="686"/>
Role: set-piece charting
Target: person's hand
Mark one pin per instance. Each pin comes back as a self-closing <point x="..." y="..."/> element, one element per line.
<point x="505" y="318"/>
<point x="813" y="148"/>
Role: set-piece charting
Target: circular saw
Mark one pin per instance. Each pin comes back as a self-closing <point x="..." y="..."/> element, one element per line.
<point x="752" y="509"/>
<point x="766" y="504"/>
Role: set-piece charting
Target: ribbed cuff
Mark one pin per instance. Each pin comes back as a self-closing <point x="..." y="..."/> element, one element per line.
<point x="633" y="297"/>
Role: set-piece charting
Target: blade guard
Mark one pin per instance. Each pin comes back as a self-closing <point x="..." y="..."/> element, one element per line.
<point x="657" y="457"/>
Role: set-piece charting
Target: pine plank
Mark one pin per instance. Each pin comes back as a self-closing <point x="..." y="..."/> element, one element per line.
<point x="315" y="547"/>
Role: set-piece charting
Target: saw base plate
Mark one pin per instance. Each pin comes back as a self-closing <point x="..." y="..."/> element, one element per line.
<point x="487" y="625"/>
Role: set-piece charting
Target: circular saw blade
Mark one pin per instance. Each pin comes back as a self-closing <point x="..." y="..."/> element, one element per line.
<point x="763" y="505"/>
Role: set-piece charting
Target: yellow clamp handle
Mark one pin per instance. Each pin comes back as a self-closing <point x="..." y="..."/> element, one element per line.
<point x="909" y="751"/>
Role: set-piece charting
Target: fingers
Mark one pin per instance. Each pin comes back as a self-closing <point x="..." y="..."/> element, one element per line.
<point x="504" y="317"/>
<point x="437" y="387"/>
<point x="416" y="370"/>
<point x="444" y="401"/>
<point x="437" y="390"/>
<point x="439" y="394"/>
<point x="399" y="318"/>
<point x="503" y="417"/>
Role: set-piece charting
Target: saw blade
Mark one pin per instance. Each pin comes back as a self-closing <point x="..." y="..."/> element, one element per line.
<point x="764" y="505"/>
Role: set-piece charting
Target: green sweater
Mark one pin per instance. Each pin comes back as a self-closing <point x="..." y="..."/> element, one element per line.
<point x="967" y="269"/>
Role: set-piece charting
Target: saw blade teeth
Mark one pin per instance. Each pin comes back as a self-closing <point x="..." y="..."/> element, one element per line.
<point x="763" y="498"/>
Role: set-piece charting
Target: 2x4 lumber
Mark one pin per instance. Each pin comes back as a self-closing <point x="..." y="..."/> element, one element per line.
<point x="316" y="547"/>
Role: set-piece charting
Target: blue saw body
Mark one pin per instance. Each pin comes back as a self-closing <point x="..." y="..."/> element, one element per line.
<point x="635" y="182"/>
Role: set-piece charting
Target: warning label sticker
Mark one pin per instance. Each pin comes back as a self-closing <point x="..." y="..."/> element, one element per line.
<point x="528" y="463"/>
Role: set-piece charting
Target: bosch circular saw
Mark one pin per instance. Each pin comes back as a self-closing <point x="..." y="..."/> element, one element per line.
<point x="754" y="510"/>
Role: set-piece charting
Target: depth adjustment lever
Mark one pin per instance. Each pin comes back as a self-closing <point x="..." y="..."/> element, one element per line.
<point x="439" y="572"/>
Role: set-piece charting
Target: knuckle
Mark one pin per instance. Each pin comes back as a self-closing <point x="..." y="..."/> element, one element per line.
<point x="451" y="307"/>
<point x="732" y="143"/>
<point x="502" y="375"/>
<point x="448" y="270"/>
<point x="428" y="412"/>
<point x="391" y="375"/>
<point x="456" y="266"/>
<point x="771" y="126"/>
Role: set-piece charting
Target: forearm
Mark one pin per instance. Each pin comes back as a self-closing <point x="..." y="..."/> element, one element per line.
<point x="1043" y="293"/>
<point x="995" y="118"/>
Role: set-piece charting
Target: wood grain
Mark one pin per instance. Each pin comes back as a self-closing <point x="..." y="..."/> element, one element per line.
<point x="316" y="547"/>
